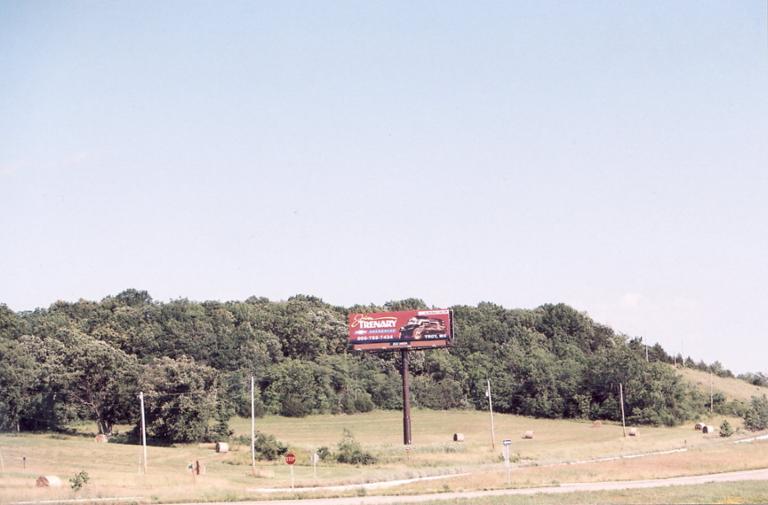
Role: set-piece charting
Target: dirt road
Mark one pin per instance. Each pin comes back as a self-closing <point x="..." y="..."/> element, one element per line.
<point x="563" y="488"/>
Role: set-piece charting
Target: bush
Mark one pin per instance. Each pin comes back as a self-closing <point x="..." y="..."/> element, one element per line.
<point x="357" y="400"/>
<point x="351" y="452"/>
<point x="756" y="417"/>
<point x="293" y="406"/>
<point x="219" y="431"/>
<point x="324" y="453"/>
<point x="725" y="429"/>
<point x="268" y="448"/>
<point x="77" y="481"/>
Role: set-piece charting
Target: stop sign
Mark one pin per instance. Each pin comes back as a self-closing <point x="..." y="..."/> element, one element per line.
<point x="290" y="458"/>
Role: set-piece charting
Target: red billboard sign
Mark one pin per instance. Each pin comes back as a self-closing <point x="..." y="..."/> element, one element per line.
<point x="412" y="329"/>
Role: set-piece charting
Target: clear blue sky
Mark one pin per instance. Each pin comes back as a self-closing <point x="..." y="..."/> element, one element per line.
<point x="609" y="155"/>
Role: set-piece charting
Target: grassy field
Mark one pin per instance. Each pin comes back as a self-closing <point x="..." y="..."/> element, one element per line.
<point x="114" y="468"/>
<point x="733" y="389"/>
<point x="727" y="493"/>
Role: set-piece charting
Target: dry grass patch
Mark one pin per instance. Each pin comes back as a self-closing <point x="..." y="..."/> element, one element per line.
<point x="703" y="460"/>
<point x="715" y="493"/>
<point x="733" y="389"/>
<point x="114" y="468"/>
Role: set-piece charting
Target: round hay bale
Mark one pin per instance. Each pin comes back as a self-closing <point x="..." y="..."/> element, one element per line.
<point x="222" y="447"/>
<point x="48" y="481"/>
<point x="458" y="437"/>
<point x="633" y="432"/>
<point x="101" y="438"/>
<point x="699" y="426"/>
<point x="706" y="429"/>
<point x="528" y="434"/>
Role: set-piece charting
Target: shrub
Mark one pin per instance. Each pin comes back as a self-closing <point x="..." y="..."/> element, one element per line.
<point x="268" y="448"/>
<point x="756" y="417"/>
<point x="725" y="429"/>
<point x="77" y="481"/>
<point x="324" y="453"/>
<point x="351" y="452"/>
<point x="294" y="406"/>
<point x="357" y="400"/>
<point x="219" y="431"/>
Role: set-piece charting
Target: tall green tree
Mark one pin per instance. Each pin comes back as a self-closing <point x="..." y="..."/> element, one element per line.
<point x="101" y="378"/>
<point x="180" y="398"/>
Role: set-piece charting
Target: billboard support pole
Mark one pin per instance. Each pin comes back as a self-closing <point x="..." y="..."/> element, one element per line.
<point x="407" y="440"/>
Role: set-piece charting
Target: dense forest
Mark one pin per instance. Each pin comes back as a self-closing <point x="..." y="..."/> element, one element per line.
<point x="193" y="362"/>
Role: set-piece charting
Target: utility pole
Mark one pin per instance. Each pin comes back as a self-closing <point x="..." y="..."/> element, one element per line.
<point x="143" y="432"/>
<point x="711" y="393"/>
<point x="646" y="354"/>
<point x="490" y="409"/>
<point x="253" y="429"/>
<point x="621" y="399"/>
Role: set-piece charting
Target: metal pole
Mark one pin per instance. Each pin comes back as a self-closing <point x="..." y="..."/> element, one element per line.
<point x="621" y="396"/>
<point x="253" y="429"/>
<point x="505" y="452"/>
<point x="490" y="408"/>
<point x="407" y="439"/>
<point x="143" y="431"/>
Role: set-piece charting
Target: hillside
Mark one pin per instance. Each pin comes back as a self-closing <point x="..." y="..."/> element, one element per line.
<point x="89" y="360"/>
<point x="732" y="388"/>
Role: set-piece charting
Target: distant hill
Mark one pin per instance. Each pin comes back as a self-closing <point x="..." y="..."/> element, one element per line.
<point x="732" y="388"/>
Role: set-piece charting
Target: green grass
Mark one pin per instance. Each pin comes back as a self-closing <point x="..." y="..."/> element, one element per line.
<point x="114" y="468"/>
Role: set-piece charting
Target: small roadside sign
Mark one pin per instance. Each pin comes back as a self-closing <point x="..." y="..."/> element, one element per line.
<point x="290" y="458"/>
<point x="505" y="452"/>
<point x="506" y="441"/>
<point x="314" y="459"/>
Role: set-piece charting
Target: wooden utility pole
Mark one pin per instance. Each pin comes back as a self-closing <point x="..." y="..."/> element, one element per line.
<point x="253" y="428"/>
<point x="143" y="432"/>
<point x="407" y="439"/>
<point x="621" y="399"/>
<point x="490" y="409"/>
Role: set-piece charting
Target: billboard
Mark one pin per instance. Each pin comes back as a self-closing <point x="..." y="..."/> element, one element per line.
<point x="411" y="329"/>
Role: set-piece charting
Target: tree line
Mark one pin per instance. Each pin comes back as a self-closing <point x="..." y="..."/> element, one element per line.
<point x="193" y="361"/>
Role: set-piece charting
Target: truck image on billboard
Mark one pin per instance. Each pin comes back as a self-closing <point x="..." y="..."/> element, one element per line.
<point x="411" y="329"/>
